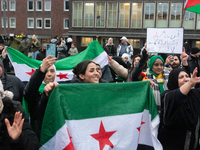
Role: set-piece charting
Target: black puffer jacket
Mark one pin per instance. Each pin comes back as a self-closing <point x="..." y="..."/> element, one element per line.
<point x="27" y="139"/>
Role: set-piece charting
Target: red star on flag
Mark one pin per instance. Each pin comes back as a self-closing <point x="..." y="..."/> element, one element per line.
<point x="62" y="75"/>
<point x="30" y="73"/>
<point x="103" y="137"/>
<point x="140" y="128"/>
<point x="70" y="146"/>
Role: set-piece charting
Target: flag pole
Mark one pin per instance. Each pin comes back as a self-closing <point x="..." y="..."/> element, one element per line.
<point x="182" y="18"/>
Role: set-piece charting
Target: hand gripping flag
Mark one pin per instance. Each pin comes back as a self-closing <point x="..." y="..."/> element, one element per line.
<point x="120" y="116"/>
<point x="193" y="6"/>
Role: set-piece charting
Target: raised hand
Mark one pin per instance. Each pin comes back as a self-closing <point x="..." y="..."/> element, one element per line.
<point x="47" y="62"/>
<point x="109" y="59"/>
<point x="4" y="53"/>
<point x="184" y="57"/>
<point x="15" y="130"/>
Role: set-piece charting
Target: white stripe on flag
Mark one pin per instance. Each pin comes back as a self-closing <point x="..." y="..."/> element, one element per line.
<point x="126" y="136"/>
<point x="21" y="70"/>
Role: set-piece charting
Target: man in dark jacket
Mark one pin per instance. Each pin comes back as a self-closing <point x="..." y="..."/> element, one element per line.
<point x="193" y="62"/>
<point x="24" y="45"/>
<point x="33" y="93"/>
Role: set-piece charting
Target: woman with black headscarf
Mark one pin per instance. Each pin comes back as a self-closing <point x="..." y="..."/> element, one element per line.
<point x="180" y="112"/>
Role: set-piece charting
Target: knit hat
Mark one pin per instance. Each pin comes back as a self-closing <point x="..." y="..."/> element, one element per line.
<point x="34" y="37"/>
<point x="195" y="50"/>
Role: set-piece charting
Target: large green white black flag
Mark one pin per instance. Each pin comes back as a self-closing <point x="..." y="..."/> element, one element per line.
<point x="118" y="116"/>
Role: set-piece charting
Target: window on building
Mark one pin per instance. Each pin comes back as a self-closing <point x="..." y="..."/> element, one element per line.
<point x="136" y="19"/>
<point x="112" y="15"/>
<point x="12" y="23"/>
<point x="86" y="40"/>
<point x="149" y="15"/>
<point x="2" y="5"/>
<point x="198" y="21"/>
<point x="47" y="23"/>
<point x="189" y="21"/>
<point x="30" y="22"/>
<point x="39" y="23"/>
<point x="66" y="5"/>
<point x="3" y="22"/>
<point x="134" y="42"/>
<point x="198" y="44"/>
<point x="30" y="5"/>
<point x="39" y="5"/>
<point x="124" y="9"/>
<point x="89" y="15"/>
<point x="12" y="5"/>
<point x="175" y="15"/>
<point x="100" y="14"/>
<point x="77" y="14"/>
<point x="162" y="15"/>
<point x="47" y="5"/>
<point x="66" y="23"/>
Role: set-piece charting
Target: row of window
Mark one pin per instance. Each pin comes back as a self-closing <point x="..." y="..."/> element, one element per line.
<point x="47" y="5"/>
<point x="31" y="4"/>
<point x="38" y="25"/>
<point x="132" y="15"/>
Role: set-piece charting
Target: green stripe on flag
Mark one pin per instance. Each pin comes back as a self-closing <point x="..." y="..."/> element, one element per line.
<point x="195" y="9"/>
<point x="93" y="50"/>
<point x="20" y="58"/>
<point x="84" y="101"/>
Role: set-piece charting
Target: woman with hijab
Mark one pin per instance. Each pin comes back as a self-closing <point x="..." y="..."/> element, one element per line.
<point x="33" y="92"/>
<point x="110" y="48"/>
<point x="156" y="73"/>
<point x="180" y="113"/>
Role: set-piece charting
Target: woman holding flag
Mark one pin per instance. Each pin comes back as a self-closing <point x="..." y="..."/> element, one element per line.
<point x="33" y="92"/>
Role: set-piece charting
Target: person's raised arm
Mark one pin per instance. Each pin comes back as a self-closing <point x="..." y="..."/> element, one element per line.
<point x="185" y="89"/>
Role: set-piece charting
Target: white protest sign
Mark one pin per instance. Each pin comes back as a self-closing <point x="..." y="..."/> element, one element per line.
<point x="165" y="40"/>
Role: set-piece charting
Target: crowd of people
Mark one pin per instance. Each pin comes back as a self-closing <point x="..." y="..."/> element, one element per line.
<point x="174" y="81"/>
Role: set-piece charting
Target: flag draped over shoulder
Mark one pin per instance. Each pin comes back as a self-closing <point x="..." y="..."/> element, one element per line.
<point x="25" y="66"/>
<point x="193" y="6"/>
<point x="101" y="116"/>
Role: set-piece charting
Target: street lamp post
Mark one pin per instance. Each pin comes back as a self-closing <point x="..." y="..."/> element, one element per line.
<point x="4" y="16"/>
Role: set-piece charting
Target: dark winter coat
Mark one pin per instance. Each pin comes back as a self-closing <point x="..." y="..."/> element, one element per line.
<point x="27" y="139"/>
<point x="36" y="101"/>
<point x="14" y="85"/>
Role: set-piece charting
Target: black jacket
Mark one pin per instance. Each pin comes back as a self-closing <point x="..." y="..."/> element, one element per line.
<point x="194" y="62"/>
<point x="110" y="50"/>
<point x="41" y="55"/>
<point x="14" y="85"/>
<point x="36" y="101"/>
<point x="27" y="139"/>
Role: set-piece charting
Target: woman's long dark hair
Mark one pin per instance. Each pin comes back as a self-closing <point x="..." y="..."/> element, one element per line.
<point x="81" y="67"/>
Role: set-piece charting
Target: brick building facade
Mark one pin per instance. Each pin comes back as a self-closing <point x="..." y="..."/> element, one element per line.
<point x="45" y="18"/>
